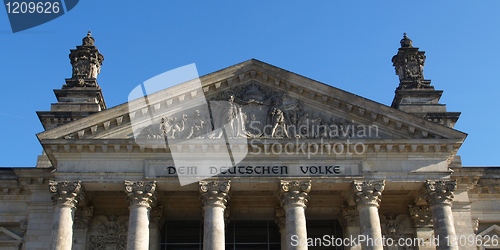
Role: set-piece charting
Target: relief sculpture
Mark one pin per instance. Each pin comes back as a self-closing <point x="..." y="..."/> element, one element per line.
<point x="253" y="111"/>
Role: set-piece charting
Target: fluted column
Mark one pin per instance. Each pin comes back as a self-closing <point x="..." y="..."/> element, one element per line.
<point x="214" y="195"/>
<point x="422" y="219"/>
<point x="140" y="196"/>
<point x="367" y="197"/>
<point x="65" y="196"/>
<point x="439" y="195"/>
<point x="281" y="221"/>
<point x="293" y="197"/>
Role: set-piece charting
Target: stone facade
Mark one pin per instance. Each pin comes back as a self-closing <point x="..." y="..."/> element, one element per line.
<point x="302" y="153"/>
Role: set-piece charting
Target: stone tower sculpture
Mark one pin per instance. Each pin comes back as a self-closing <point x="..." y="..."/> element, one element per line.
<point x="81" y="96"/>
<point x="415" y="94"/>
<point x="86" y="62"/>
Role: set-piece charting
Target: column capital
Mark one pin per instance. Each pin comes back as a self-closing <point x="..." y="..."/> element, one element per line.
<point x="349" y="216"/>
<point x="294" y="193"/>
<point x="439" y="192"/>
<point x="66" y="193"/>
<point x="140" y="193"/>
<point x="83" y="216"/>
<point x="215" y="193"/>
<point x="368" y="192"/>
<point x="421" y="215"/>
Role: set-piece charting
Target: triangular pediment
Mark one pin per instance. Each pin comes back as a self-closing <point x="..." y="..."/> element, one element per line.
<point x="267" y="100"/>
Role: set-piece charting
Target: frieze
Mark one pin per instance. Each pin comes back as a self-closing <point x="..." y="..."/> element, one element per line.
<point x="314" y="168"/>
<point x="254" y="111"/>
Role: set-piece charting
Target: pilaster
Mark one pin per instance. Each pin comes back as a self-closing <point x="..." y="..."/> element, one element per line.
<point x="83" y="217"/>
<point x="156" y="224"/>
<point x="422" y="221"/>
<point x="349" y="220"/>
<point x="280" y="219"/>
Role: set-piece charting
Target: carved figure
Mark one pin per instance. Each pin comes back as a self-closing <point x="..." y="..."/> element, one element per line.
<point x="253" y="126"/>
<point x="278" y="119"/>
<point x="230" y="119"/>
<point x="314" y="128"/>
<point x="198" y="126"/>
<point x="303" y="126"/>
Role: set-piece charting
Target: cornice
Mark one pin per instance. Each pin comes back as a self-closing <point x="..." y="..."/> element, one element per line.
<point x="310" y="90"/>
<point x="92" y="133"/>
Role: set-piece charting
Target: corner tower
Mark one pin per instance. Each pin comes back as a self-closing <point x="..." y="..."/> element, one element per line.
<point x="81" y="96"/>
<point x="415" y="95"/>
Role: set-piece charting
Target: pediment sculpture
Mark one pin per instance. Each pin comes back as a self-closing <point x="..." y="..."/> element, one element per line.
<point x="254" y="111"/>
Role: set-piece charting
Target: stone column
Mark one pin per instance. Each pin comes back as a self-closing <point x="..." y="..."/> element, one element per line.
<point x="422" y="220"/>
<point x="281" y="221"/>
<point x="214" y="195"/>
<point x="349" y="221"/>
<point x="65" y="196"/>
<point x="367" y="197"/>
<point x="293" y="197"/>
<point x="83" y="216"/>
<point x="140" y="195"/>
<point x="439" y="195"/>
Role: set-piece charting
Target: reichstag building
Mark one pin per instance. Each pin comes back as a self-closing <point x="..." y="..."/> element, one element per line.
<point x="250" y="157"/>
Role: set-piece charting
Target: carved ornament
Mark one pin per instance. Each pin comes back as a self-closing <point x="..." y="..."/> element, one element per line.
<point x="140" y="192"/>
<point x="111" y="233"/>
<point x="421" y="215"/>
<point x="214" y="193"/>
<point x="66" y="193"/>
<point x="439" y="192"/>
<point x="294" y="193"/>
<point x="368" y="192"/>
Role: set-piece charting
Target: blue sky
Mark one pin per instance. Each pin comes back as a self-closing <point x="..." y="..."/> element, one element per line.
<point x="347" y="44"/>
